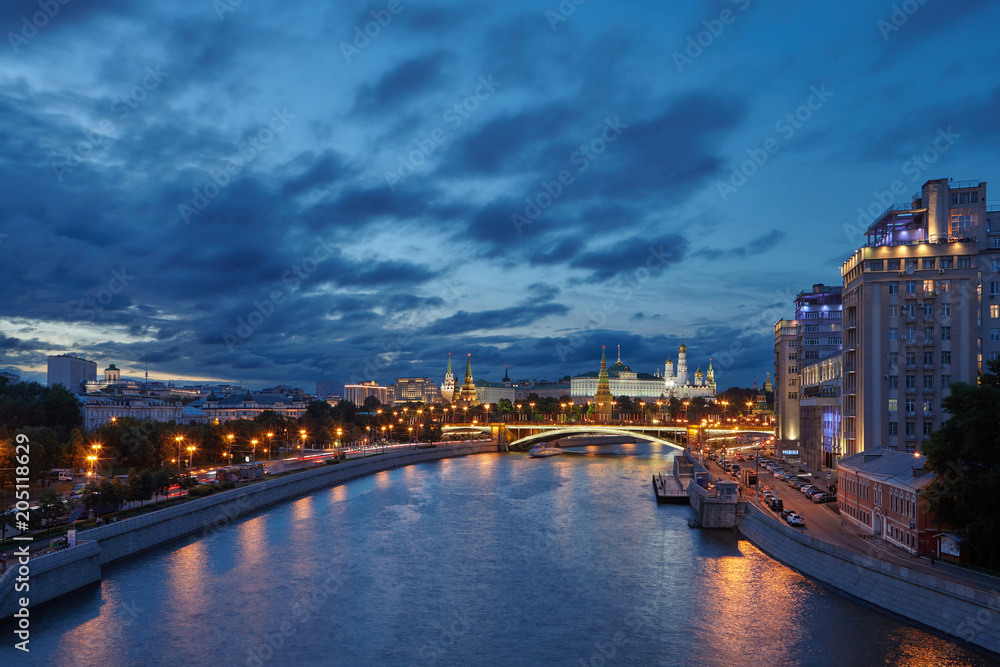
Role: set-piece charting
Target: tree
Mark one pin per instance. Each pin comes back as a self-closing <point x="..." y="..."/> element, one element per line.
<point x="52" y="506"/>
<point x="965" y="455"/>
<point x="371" y="404"/>
<point x="162" y="482"/>
<point x="504" y="406"/>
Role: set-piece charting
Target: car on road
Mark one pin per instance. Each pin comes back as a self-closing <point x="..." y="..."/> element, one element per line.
<point x="786" y="513"/>
<point x="824" y="498"/>
<point x="795" y="519"/>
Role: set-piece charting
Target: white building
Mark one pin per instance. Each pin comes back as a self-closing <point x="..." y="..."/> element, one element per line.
<point x="99" y="409"/>
<point x="624" y="381"/>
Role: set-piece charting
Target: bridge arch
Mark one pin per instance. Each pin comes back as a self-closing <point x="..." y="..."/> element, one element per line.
<point x="548" y="434"/>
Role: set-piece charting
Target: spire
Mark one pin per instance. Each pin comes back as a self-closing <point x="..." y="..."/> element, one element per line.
<point x="619" y="354"/>
<point x="506" y="377"/>
<point x="448" y="372"/>
<point x="683" y="347"/>
<point x="468" y="369"/>
<point x="603" y="399"/>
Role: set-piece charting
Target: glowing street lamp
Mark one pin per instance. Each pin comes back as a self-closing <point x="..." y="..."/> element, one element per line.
<point x="179" y="439"/>
<point x="302" y="434"/>
<point x="253" y="454"/>
<point x="190" y="455"/>
<point x="270" y="442"/>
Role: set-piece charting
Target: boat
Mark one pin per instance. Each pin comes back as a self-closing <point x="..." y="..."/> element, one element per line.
<point x="540" y="451"/>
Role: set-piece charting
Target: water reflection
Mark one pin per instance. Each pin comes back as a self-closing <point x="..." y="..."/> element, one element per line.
<point x="492" y="559"/>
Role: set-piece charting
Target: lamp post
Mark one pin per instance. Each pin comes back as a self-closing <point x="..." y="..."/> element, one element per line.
<point x="229" y="448"/>
<point x="518" y="406"/>
<point x="340" y="435"/>
<point x="686" y="417"/>
<point x="179" y="439"/>
<point x="253" y="452"/>
<point x="302" y="435"/>
<point x="270" y="443"/>
<point x="190" y="456"/>
<point x="724" y="404"/>
<point x="532" y="412"/>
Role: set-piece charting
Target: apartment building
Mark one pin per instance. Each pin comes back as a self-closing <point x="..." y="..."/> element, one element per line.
<point x="921" y="303"/>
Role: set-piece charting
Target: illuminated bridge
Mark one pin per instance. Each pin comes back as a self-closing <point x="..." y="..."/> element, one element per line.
<point x="523" y="435"/>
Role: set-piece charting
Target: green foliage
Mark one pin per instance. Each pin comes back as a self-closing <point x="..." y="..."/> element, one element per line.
<point x="52" y="506"/>
<point x="202" y="490"/>
<point x="32" y="404"/>
<point x="965" y="455"/>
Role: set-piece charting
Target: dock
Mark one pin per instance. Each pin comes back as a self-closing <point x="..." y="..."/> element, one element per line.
<point x="669" y="490"/>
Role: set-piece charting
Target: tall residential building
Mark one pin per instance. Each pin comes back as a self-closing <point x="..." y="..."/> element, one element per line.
<point x="921" y="310"/>
<point x="813" y="335"/>
<point x="71" y="372"/>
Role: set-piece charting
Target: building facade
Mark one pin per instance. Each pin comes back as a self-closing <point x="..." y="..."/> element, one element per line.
<point x="813" y="335"/>
<point x="416" y="390"/>
<point x="448" y="387"/>
<point x="878" y="491"/>
<point x="99" y="409"/>
<point x="248" y="406"/>
<point x="357" y="393"/>
<point x="71" y="372"/>
<point x="921" y="310"/>
<point x="623" y="381"/>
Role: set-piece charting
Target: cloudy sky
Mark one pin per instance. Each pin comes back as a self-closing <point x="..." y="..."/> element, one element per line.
<point x="265" y="192"/>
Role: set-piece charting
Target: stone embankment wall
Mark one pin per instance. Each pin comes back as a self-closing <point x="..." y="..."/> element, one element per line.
<point x="66" y="571"/>
<point x="971" y="614"/>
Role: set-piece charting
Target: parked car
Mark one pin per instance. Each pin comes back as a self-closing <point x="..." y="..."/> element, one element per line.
<point x="776" y="505"/>
<point x="824" y="498"/>
<point x="786" y="513"/>
<point x="795" y="519"/>
<point x="809" y="489"/>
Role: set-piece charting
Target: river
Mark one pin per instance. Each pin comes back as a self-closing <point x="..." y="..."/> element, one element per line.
<point x="493" y="559"/>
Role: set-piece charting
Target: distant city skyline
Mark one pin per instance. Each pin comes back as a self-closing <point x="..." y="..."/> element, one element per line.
<point x="261" y="193"/>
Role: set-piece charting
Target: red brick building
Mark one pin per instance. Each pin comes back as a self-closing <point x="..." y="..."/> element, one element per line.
<point x="878" y="491"/>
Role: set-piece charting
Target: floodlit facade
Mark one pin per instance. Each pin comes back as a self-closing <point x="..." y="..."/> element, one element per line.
<point x="921" y="310"/>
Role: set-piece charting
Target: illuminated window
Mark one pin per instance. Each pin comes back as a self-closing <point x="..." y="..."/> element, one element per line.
<point x="893" y="405"/>
<point x="928" y="287"/>
<point x="994" y="310"/>
<point x="944" y="286"/>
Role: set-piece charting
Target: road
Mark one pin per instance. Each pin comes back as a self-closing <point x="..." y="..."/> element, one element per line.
<point x="824" y="522"/>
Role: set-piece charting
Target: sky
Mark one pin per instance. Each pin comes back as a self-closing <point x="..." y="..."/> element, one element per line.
<point x="270" y="192"/>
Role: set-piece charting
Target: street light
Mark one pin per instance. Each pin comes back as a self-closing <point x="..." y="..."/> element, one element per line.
<point x="302" y="434"/>
<point x="532" y="411"/>
<point x="270" y="442"/>
<point x="229" y="448"/>
<point x="190" y="456"/>
<point x="253" y="454"/>
<point x="179" y="439"/>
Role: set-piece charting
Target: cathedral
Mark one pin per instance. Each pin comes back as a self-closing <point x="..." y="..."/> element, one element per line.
<point x="680" y="385"/>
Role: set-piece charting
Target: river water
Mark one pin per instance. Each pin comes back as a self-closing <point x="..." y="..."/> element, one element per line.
<point x="493" y="559"/>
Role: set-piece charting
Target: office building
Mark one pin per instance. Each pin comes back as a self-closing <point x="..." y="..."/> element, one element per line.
<point x="416" y="390"/>
<point x="357" y="393"/>
<point x="71" y="372"/>
<point x="813" y="336"/>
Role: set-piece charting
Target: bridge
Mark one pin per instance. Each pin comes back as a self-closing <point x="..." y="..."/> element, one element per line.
<point x="522" y="435"/>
